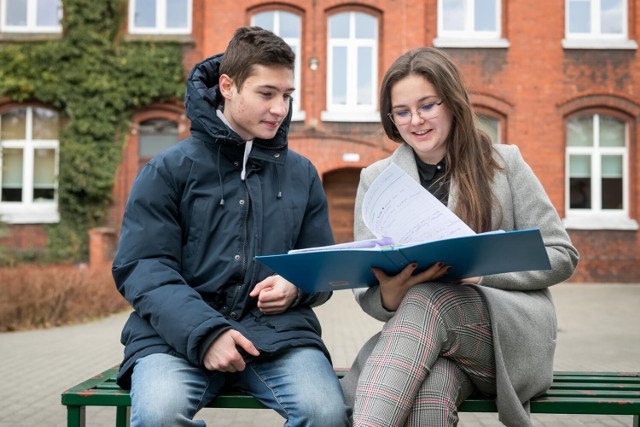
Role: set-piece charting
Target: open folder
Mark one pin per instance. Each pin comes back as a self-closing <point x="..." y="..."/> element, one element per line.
<point x="410" y="225"/>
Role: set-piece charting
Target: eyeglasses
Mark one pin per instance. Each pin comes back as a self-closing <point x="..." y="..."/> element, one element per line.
<point x="426" y="112"/>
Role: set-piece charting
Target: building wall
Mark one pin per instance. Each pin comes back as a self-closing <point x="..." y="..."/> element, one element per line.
<point x="533" y="86"/>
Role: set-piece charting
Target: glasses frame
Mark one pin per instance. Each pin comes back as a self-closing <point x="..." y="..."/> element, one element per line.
<point x="435" y="104"/>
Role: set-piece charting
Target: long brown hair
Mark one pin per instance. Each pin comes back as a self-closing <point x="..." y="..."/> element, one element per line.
<point x="469" y="159"/>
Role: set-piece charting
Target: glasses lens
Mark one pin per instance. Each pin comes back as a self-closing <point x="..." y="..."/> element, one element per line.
<point x="425" y="111"/>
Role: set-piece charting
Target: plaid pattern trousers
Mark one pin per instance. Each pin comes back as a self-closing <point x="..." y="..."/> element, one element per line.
<point x="435" y="351"/>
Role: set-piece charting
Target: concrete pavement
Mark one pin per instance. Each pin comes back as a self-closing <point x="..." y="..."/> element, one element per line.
<point x="599" y="330"/>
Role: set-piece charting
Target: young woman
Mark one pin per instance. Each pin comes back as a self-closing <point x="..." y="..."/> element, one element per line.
<point x="443" y="341"/>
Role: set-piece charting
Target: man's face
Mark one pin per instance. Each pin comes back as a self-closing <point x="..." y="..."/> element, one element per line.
<point x="259" y="107"/>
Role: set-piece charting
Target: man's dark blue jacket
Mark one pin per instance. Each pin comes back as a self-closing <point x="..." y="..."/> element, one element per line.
<point x="192" y="227"/>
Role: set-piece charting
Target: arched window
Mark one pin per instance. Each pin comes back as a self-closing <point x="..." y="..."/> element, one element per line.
<point x="491" y="126"/>
<point x="288" y="26"/>
<point x="29" y="165"/>
<point x="155" y="135"/>
<point x="352" y="67"/>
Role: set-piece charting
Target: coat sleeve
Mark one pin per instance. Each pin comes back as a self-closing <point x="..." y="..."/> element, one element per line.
<point x="146" y="268"/>
<point x="530" y="207"/>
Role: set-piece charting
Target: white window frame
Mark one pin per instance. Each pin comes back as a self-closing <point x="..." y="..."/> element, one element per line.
<point x="596" y="217"/>
<point x="29" y="211"/>
<point x="161" y="15"/>
<point x="470" y="37"/>
<point x="297" y="113"/>
<point x="596" y="39"/>
<point x="351" y="111"/>
<point x="32" y="14"/>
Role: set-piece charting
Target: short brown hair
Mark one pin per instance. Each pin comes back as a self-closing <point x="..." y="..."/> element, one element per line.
<point x="251" y="46"/>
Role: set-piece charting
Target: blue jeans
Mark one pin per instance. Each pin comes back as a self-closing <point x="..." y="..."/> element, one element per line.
<point x="299" y="384"/>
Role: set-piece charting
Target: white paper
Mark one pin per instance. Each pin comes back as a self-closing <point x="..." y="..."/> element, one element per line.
<point x="398" y="207"/>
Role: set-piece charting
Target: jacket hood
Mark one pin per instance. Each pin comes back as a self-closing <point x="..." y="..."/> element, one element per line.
<point x="202" y="99"/>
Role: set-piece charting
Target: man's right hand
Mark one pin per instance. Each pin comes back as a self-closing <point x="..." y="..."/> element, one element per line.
<point x="223" y="356"/>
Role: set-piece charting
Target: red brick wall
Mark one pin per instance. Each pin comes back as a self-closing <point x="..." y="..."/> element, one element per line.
<point x="533" y="85"/>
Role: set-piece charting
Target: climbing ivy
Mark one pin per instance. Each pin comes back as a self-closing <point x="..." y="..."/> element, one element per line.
<point x="95" y="79"/>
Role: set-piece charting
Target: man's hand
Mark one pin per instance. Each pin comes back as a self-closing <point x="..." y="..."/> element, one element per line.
<point x="394" y="288"/>
<point x="275" y="294"/>
<point x="223" y="356"/>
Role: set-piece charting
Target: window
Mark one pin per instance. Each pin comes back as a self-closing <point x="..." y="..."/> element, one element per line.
<point x="160" y="16"/>
<point x="288" y="26"/>
<point x="30" y="16"/>
<point x="29" y="165"/>
<point x="491" y="126"/>
<point x="597" y="171"/>
<point x="155" y="135"/>
<point x="597" y="23"/>
<point x="352" y="67"/>
<point x="465" y="23"/>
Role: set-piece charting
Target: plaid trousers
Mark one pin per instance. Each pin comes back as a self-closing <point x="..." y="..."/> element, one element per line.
<point x="435" y="351"/>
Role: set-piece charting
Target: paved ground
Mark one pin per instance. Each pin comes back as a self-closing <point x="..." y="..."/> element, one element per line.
<point x="599" y="329"/>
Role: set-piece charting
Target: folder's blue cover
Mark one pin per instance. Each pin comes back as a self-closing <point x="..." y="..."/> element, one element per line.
<point x="469" y="256"/>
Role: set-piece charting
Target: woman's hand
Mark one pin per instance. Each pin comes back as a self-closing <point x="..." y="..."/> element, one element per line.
<point x="393" y="288"/>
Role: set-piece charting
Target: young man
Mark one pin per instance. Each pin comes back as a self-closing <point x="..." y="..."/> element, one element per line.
<point x="206" y="314"/>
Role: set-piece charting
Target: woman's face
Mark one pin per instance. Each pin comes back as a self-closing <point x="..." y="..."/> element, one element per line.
<point x="429" y="125"/>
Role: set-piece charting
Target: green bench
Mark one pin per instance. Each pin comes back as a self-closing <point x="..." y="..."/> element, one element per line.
<point x="592" y="393"/>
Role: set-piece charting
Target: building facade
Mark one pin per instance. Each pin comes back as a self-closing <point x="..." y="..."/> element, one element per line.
<point x="560" y="79"/>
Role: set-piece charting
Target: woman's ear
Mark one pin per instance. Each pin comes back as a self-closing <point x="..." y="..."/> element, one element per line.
<point x="226" y="84"/>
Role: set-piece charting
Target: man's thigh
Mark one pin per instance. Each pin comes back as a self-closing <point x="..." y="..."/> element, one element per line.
<point x="299" y="384"/>
<point x="166" y="386"/>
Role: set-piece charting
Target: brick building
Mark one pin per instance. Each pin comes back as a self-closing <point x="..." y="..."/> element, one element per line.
<point x="560" y="79"/>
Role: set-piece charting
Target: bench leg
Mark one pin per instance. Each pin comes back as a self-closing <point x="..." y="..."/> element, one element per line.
<point x="122" y="416"/>
<point x="75" y="416"/>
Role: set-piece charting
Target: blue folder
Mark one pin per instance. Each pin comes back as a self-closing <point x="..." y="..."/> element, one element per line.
<point x="469" y="256"/>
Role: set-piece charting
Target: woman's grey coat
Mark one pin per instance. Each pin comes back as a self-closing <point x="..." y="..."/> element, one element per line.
<point x="522" y="313"/>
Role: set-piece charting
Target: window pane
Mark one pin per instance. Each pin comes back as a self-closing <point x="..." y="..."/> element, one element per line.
<point x="612" y="166"/>
<point x="491" y="126"/>
<point x="177" y="13"/>
<point x="264" y="20"/>
<point x="13" y="124"/>
<point x="453" y="15"/>
<point x="339" y="74"/>
<point x="44" y="164"/>
<point x="365" y="76"/>
<point x="611" y="16"/>
<point x="365" y="26"/>
<point x="339" y="26"/>
<point x="16" y="12"/>
<point x="612" y="132"/>
<point x="485" y="15"/>
<point x="579" y="16"/>
<point x="289" y="25"/>
<point x="580" y="193"/>
<point x="580" y="132"/>
<point x="611" y="182"/>
<point x="580" y="166"/>
<point x="45" y="124"/>
<point x="156" y="135"/>
<point x="145" y="13"/>
<point x="12" y="168"/>
<point x="47" y="13"/>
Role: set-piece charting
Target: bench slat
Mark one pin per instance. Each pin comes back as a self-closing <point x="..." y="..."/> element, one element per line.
<point x="593" y="393"/>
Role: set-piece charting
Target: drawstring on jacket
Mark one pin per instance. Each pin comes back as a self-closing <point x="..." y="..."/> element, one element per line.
<point x="279" y="195"/>
<point x="220" y="177"/>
